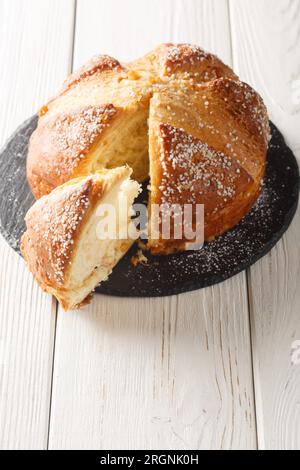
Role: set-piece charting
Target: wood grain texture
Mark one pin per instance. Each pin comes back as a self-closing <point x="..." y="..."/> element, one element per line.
<point x="167" y="373"/>
<point x="26" y="350"/>
<point x="171" y="373"/>
<point x="35" y="46"/>
<point x="266" y="38"/>
<point x="266" y="43"/>
<point x="128" y="30"/>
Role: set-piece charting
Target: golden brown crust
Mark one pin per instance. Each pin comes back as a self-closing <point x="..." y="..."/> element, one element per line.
<point x="191" y="172"/>
<point x="212" y="152"/>
<point x="54" y="224"/>
<point x="196" y="101"/>
<point x="226" y="114"/>
<point x="246" y="105"/>
<point x="171" y="59"/>
<point x="61" y="144"/>
<point x="97" y="64"/>
<point x="103" y="83"/>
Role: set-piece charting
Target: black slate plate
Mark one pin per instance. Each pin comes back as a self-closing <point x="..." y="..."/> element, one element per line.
<point x="231" y="253"/>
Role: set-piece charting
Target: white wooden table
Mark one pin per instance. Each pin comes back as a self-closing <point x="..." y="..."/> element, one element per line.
<point x="210" y="369"/>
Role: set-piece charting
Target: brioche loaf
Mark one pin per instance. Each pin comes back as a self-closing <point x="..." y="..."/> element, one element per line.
<point x="177" y="114"/>
<point x="99" y="118"/>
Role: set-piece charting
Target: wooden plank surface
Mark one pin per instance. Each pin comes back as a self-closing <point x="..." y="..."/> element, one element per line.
<point x="166" y="373"/>
<point x="35" y="46"/>
<point x="266" y="44"/>
<point x="154" y="373"/>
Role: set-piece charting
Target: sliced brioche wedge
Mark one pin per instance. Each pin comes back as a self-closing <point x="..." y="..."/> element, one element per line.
<point x="62" y="246"/>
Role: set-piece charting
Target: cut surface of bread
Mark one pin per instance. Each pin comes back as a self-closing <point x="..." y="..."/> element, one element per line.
<point x="62" y="246"/>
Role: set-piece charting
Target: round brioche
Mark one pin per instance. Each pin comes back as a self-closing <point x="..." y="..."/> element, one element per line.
<point x="204" y="132"/>
<point x="99" y="118"/>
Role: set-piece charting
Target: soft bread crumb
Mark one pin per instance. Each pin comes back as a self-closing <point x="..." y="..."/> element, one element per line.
<point x="138" y="258"/>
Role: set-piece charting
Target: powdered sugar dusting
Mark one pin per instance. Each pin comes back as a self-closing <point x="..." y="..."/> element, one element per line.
<point x="52" y="225"/>
<point x="75" y="133"/>
<point x="185" y="54"/>
<point x="249" y="104"/>
<point x="192" y="168"/>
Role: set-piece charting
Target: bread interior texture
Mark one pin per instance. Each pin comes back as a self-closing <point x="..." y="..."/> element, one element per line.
<point x="127" y="144"/>
<point x="95" y="257"/>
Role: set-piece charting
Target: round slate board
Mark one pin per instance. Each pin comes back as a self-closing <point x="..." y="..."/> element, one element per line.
<point x="229" y="254"/>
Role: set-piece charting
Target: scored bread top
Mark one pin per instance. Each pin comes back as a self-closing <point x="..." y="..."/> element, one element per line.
<point x="96" y="65"/>
<point x="186" y="60"/>
<point x="112" y="94"/>
<point x="228" y="115"/>
<point x="211" y="151"/>
<point x="63" y="141"/>
<point x="191" y="171"/>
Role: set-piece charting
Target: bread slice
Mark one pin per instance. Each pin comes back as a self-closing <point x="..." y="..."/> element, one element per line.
<point x="62" y="246"/>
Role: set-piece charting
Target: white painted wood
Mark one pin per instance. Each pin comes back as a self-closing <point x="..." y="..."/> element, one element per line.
<point x="168" y="373"/>
<point x="127" y="29"/>
<point x="265" y="38"/>
<point x="266" y="44"/>
<point x="154" y="373"/>
<point x="27" y="323"/>
<point x="35" y="47"/>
